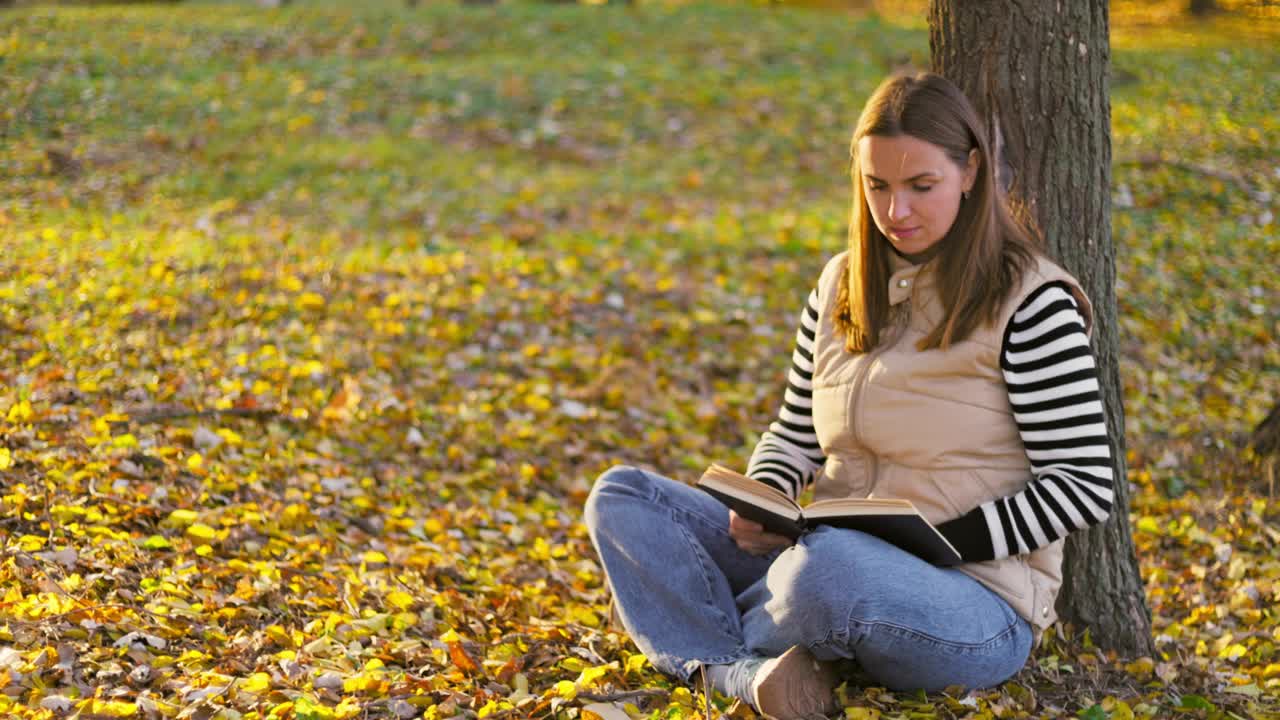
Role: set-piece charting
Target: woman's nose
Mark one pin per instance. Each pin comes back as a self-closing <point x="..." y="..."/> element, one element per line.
<point x="899" y="208"/>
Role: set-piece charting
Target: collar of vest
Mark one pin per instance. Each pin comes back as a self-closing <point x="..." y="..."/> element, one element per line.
<point x="904" y="278"/>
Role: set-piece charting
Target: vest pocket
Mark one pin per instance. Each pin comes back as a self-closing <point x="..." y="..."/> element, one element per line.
<point x="1043" y="612"/>
<point x="1010" y="578"/>
<point x="945" y="485"/>
<point x="988" y="491"/>
<point x="831" y="417"/>
<point x="844" y="475"/>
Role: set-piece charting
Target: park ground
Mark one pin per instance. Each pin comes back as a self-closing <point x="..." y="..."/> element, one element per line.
<point x="319" y="322"/>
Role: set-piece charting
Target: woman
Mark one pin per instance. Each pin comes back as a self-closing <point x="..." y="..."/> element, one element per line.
<point x="941" y="359"/>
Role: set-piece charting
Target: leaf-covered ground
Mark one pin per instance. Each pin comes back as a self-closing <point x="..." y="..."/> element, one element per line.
<point x="318" y="323"/>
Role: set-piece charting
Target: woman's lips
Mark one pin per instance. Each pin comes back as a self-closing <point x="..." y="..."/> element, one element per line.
<point x="903" y="233"/>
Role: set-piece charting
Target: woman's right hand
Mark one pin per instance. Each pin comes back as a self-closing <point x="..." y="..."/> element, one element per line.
<point x="751" y="536"/>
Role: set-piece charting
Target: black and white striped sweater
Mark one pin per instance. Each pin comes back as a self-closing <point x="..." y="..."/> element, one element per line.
<point x="1053" y="388"/>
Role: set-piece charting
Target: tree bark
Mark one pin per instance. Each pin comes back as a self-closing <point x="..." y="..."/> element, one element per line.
<point x="1265" y="439"/>
<point x="1037" y="70"/>
<point x="1202" y="7"/>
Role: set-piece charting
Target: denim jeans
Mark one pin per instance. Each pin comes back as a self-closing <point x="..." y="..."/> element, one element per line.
<point x="689" y="596"/>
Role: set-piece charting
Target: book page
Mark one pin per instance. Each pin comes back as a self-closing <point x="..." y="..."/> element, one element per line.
<point x="736" y="485"/>
<point x="859" y="506"/>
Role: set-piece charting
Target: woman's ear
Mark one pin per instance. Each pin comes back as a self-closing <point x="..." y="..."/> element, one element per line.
<point x="971" y="169"/>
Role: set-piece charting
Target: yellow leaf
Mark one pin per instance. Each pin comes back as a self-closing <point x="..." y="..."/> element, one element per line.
<point x="585" y="616"/>
<point x="6" y="458"/>
<point x="636" y="663"/>
<point x="592" y="675"/>
<point x="540" y="550"/>
<point x="1233" y="651"/>
<point x="362" y="683"/>
<point x="347" y="709"/>
<point x="102" y="425"/>
<point x="280" y="636"/>
<point x="126" y="440"/>
<point x="1148" y="524"/>
<point x="682" y="696"/>
<point x="304" y="708"/>
<point x="256" y="682"/>
<point x="400" y="600"/>
<point x="20" y="412"/>
<point x="705" y="316"/>
<point x="108" y="708"/>
<point x="295" y="515"/>
<point x="566" y="690"/>
<point x="373" y="556"/>
<point x="182" y="517"/>
<point x="1117" y="709"/>
<point x="200" y="531"/>
<point x="310" y="301"/>
<point x="195" y="461"/>
<point x="229" y="437"/>
<point x="310" y="367"/>
<point x="1142" y="668"/>
<point x="30" y="543"/>
<point x="861" y="713"/>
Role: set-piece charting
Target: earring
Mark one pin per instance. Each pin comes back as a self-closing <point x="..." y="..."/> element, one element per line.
<point x="965" y="194"/>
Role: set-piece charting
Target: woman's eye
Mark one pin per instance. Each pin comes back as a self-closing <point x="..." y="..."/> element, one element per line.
<point x="875" y="188"/>
<point x="922" y="188"/>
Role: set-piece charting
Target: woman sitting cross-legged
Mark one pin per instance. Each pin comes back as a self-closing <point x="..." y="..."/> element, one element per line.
<point x="942" y="359"/>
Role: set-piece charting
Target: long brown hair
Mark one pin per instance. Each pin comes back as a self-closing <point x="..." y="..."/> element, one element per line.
<point x="984" y="253"/>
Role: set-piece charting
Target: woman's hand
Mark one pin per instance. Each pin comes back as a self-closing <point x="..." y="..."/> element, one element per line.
<point x="751" y="536"/>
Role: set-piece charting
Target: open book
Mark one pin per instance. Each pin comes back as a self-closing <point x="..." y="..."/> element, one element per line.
<point x="891" y="520"/>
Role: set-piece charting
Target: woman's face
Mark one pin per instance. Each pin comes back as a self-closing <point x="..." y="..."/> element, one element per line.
<point x="913" y="189"/>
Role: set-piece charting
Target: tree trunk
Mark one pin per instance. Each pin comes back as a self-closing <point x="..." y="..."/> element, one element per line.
<point x="1265" y="442"/>
<point x="1265" y="439"/>
<point x="1038" y="71"/>
<point x="1202" y="7"/>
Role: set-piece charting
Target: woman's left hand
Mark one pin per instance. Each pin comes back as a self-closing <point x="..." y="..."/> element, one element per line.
<point x="751" y="536"/>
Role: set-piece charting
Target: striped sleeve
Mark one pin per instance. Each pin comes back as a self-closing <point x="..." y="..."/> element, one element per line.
<point x="788" y="453"/>
<point x="1057" y="405"/>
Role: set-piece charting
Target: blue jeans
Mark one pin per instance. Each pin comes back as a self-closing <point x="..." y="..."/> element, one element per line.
<point x="689" y="596"/>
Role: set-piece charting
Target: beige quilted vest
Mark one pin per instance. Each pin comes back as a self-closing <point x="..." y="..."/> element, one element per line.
<point x="933" y="427"/>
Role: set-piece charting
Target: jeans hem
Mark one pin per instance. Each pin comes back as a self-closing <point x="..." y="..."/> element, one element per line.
<point x="689" y="667"/>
